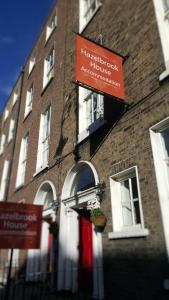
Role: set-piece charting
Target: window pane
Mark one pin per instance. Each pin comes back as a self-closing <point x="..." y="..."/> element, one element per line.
<point x="137" y="212"/>
<point x="166" y="5"/>
<point x="126" y="204"/>
<point x="89" y="111"/>
<point x="95" y="107"/>
<point x="84" y="180"/>
<point x="165" y="135"/>
<point x="125" y="194"/>
<point x="93" y="6"/>
<point x="134" y="188"/>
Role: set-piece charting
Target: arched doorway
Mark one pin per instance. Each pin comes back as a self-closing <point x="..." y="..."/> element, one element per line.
<point x="80" y="245"/>
<point x="41" y="262"/>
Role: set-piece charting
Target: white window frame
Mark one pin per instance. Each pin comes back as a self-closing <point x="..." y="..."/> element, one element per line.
<point x="51" y="26"/>
<point x="161" y="171"/>
<point x="119" y="229"/>
<point x="49" y="67"/>
<point x="166" y="7"/>
<point x="6" y="114"/>
<point x="44" y="141"/>
<point x="32" y="63"/>
<point x="2" y="143"/>
<point x="15" y="96"/>
<point x="11" y="130"/>
<point x="4" y="179"/>
<point x="163" y="26"/>
<point x="29" y="100"/>
<point x="23" y="155"/>
<point x="87" y="122"/>
<point x="86" y="13"/>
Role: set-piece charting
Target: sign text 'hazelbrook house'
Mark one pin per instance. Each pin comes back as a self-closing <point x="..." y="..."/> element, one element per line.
<point x="99" y="68"/>
<point x="20" y="225"/>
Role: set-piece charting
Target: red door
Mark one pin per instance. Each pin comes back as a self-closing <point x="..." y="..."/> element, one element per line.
<point x="85" y="252"/>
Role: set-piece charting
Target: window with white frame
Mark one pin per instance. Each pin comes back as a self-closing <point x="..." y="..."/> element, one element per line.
<point x="44" y="138"/>
<point x="2" y="143"/>
<point x="162" y="15"/>
<point x="159" y="134"/>
<point x="91" y="111"/>
<point x="51" y="26"/>
<point x="126" y="205"/>
<point x="48" y="67"/>
<point x="166" y="5"/>
<point x="32" y="62"/>
<point x="87" y="10"/>
<point x="11" y="130"/>
<point x="29" y="100"/>
<point x="15" y="96"/>
<point x="4" y="180"/>
<point x="20" y="179"/>
<point x="6" y="114"/>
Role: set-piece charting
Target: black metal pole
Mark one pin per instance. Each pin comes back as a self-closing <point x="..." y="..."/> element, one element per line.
<point x="7" y="289"/>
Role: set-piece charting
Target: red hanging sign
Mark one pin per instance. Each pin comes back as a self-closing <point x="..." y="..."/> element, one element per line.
<point x="20" y="226"/>
<point x="99" y="68"/>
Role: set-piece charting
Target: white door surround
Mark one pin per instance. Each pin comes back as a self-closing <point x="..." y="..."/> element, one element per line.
<point x="69" y="235"/>
<point x="37" y="259"/>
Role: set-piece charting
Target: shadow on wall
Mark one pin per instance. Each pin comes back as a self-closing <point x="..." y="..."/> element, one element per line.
<point x="113" y="112"/>
<point x="126" y="277"/>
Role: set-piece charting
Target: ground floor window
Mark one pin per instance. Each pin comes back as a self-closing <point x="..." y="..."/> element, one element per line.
<point x="159" y="134"/>
<point x="127" y="214"/>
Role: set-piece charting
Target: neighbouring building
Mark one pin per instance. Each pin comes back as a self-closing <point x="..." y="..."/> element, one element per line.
<point x="9" y="122"/>
<point x="72" y="149"/>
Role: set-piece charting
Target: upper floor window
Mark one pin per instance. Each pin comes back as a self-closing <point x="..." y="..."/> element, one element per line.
<point x="159" y="134"/>
<point x="51" y="26"/>
<point x="32" y="63"/>
<point x="166" y="5"/>
<point x="94" y="107"/>
<point x="87" y="11"/>
<point x="6" y="114"/>
<point x="15" y="96"/>
<point x="48" y="67"/>
<point x="11" y="130"/>
<point x="126" y="205"/>
<point x="162" y="15"/>
<point x="22" y="162"/>
<point x="44" y="137"/>
<point x="4" y="180"/>
<point x="2" y="143"/>
<point x="91" y="112"/>
<point x="29" y="99"/>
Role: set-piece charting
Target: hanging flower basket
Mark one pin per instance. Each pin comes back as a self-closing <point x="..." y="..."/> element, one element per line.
<point x="98" y="218"/>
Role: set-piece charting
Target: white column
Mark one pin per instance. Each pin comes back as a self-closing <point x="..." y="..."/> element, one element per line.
<point x="98" y="288"/>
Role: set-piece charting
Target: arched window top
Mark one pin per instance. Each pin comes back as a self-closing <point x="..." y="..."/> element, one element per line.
<point x="48" y="199"/>
<point x="83" y="180"/>
<point x="45" y="195"/>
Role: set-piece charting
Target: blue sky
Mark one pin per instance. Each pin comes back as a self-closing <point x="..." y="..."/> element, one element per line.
<point x="20" y="24"/>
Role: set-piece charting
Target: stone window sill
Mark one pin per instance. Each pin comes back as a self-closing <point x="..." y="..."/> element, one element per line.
<point x="40" y="170"/>
<point x="18" y="187"/>
<point x="46" y="85"/>
<point x="165" y="74"/>
<point x="128" y="234"/>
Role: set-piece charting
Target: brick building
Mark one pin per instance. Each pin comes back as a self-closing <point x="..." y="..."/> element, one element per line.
<point x="76" y="150"/>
